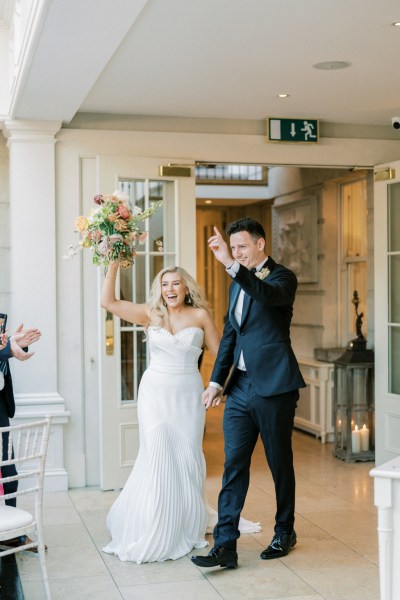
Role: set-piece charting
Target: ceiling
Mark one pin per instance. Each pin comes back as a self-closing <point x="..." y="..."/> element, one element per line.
<point x="220" y="59"/>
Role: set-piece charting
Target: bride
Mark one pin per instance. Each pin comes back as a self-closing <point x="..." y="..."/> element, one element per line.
<point x="161" y="513"/>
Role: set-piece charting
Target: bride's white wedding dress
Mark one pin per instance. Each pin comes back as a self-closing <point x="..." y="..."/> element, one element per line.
<point x="160" y="514"/>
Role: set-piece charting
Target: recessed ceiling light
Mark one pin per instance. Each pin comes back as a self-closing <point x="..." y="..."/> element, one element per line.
<point x="331" y="65"/>
<point x="396" y="24"/>
<point x="207" y="201"/>
<point x="283" y="95"/>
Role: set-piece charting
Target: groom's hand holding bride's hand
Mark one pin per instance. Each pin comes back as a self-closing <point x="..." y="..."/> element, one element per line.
<point x="211" y="397"/>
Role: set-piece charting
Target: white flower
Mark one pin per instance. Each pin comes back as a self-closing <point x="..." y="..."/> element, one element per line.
<point x="121" y="196"/>
<point x="136" y="210"/>
<point x="262" y="273"/>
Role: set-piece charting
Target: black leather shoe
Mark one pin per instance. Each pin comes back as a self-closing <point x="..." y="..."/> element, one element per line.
<point x="217" y="557"/>
<point x="280" y="546"/>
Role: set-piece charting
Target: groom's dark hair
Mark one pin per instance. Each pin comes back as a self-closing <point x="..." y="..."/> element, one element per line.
<point x="253" y="227"/>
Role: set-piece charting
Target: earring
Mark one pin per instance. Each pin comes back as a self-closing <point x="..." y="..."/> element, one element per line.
<point x="188" y="299"/>
<point x="165" y="304"/>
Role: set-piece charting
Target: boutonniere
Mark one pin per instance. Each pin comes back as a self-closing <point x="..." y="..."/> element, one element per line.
<point x="262" y="273"/>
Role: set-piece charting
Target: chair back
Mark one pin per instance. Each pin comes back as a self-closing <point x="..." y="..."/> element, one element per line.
<point x="26" y="448"/>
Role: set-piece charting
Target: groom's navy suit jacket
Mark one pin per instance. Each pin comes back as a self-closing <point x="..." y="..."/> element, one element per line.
<point x="263" y="334"/>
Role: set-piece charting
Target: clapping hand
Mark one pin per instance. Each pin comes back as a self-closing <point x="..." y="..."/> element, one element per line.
<point x="21" y="339"/>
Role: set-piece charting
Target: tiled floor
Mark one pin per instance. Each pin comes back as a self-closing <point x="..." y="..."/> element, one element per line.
<point x="336" y="556"/>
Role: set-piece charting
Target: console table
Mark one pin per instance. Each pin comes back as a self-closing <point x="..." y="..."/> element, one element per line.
<point x="314" y="410"/>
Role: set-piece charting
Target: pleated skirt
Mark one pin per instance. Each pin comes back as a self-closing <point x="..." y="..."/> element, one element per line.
<point x="160" y="514"/>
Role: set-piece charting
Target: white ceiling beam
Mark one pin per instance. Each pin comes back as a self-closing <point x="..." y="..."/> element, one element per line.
<point x="75" y="41"/>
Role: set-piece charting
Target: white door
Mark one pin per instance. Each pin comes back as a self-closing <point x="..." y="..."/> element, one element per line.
<point x="123" y="350"/>
<point x="387" y="311"/>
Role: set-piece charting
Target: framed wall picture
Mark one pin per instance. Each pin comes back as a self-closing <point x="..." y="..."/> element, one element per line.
<point x="295" y="237"/>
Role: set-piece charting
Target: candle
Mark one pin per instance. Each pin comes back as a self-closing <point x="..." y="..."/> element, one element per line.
<point x="356" y="440"/>
<point x="364" y="433"/>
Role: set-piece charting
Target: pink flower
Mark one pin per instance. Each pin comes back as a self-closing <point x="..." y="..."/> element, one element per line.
<point x="124" y="211"/>
<point x="99" y="199"/>
<point x="142" y="237"/>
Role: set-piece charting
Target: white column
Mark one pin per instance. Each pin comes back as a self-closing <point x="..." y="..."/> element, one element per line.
<point x="33" y="278"/>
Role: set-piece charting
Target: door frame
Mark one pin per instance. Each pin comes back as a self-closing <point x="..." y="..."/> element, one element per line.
<point x="387" y="405"/>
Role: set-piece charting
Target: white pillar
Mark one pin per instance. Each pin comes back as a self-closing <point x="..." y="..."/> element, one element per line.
<point x="33" y="278"/>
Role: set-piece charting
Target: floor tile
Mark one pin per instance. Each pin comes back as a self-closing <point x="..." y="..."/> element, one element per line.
<point x="182" y="590"/>
<point x="336" y="557"/>
<point x="344" y="583"/>
<point x="101" y="587"/>
<point x="130" y="574"/>
<point x="63" y="563"/>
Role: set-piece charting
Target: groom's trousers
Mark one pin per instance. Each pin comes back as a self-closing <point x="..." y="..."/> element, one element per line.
<point x="246" y="416"/>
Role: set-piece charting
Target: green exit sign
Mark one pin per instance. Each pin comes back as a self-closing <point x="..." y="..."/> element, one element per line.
<point x="293" y="130"/>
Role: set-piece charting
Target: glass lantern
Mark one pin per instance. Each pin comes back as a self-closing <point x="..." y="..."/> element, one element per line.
<point x="354" y="406"/>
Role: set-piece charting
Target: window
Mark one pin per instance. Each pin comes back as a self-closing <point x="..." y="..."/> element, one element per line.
<point x="228" y="174"/>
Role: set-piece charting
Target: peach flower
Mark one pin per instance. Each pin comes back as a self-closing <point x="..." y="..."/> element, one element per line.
<point x="121" y="225"/>
<point x="81" y="224"/>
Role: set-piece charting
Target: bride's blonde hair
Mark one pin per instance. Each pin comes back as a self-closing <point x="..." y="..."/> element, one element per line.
<point x="194" y="297"/>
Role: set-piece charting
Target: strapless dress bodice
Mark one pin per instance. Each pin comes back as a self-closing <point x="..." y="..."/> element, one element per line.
<point x="176" y="353"/>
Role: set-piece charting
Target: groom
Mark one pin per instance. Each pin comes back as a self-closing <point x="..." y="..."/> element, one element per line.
<point x="262" y="388"/>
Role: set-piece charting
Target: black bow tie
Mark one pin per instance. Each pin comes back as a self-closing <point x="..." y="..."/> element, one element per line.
<point x="253" y="270"/>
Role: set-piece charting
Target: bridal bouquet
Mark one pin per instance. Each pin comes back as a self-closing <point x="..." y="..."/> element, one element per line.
<point x="111" y="230"/>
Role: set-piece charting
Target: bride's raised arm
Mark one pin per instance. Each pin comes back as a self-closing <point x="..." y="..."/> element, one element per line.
<point x="134" y="313"/>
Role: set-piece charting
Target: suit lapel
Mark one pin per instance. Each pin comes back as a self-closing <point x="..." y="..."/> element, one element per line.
<point x="234" y="298"/>
<point x="247" y="300"/>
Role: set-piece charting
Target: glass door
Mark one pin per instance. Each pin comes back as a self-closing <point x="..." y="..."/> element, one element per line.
<point x="170" y="240"/>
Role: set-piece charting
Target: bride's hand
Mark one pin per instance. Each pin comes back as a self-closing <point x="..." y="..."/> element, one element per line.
<point x="211" y="397"/>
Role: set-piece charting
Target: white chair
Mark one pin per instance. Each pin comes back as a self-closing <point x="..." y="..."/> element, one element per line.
<point x="27" y="448"/>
